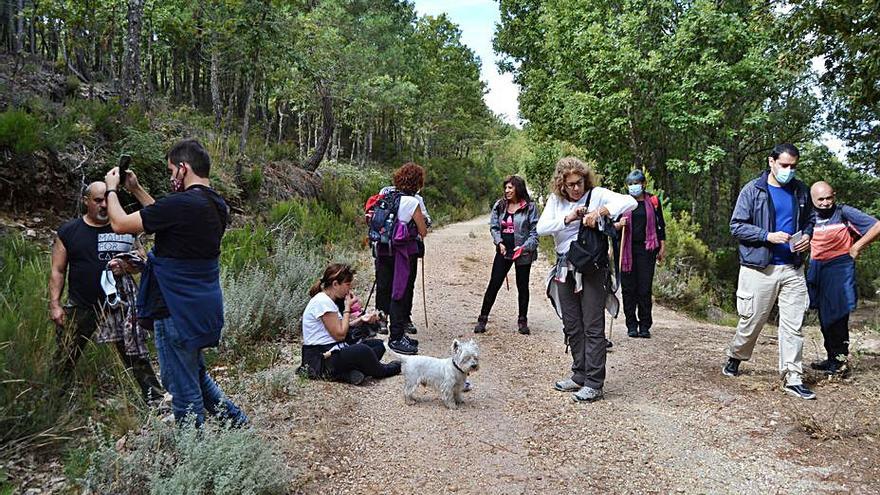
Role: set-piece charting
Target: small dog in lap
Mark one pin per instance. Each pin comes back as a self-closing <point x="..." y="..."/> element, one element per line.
<point x="446" y="375"/>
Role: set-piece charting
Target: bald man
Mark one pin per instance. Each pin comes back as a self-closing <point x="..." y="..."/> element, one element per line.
<point x="840" y="235"/>
<point x="82" y="251"/>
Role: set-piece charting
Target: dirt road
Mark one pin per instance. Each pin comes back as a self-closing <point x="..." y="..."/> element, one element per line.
<point x="670" y="422"/>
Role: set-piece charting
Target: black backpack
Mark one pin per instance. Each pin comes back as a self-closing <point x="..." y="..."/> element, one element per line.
<point x="384" y="216"/>
<point x="589" y="252"/>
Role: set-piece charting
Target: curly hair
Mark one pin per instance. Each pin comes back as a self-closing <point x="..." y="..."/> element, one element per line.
<point x="567" y="166"/>
<point x="409" y="178"/>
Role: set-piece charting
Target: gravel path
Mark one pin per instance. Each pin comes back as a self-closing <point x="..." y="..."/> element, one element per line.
<point x="670" y="422"/>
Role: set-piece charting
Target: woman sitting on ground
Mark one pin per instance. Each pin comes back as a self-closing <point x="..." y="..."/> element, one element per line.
<point x="325" y="352"/>
<point x="512" y="225"/>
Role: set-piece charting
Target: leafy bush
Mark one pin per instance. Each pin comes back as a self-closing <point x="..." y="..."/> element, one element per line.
<point x="19" y="132"/>
<point x="210" y="460"/>
<point x="458" y="188"/>
<point x="683" y="279"/>
<point x="246" y="246"/>
<point x="105" y="118"/>
<point x="315" y="223"/>
<point x="71" y="85"/>
<point x="147" y="150"/>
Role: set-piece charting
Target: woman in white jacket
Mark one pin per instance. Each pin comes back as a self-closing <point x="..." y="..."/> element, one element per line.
<point x="581" y="295"/>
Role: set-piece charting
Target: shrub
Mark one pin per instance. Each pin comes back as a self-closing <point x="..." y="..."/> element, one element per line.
<point x="19" y="132"/>
<point x="210" y="460"/>
<point x="315" y="223"/>
<point x="147" y="150"/>
<point x="683" y="279"/>
<point x="246" y="246"/>
<point x="27" y="405"/>
<point x="264" y="302"/>
<point x="71" y="85"/>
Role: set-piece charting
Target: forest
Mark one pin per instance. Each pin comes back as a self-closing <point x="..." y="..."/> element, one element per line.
<point x="306" y="106"/>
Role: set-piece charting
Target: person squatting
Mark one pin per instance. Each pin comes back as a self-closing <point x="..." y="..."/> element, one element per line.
<point x="776" y="222"/>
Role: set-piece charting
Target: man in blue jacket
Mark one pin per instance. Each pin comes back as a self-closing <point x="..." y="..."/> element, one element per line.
<point x="180" y="287"/>
<point x="773" y="223"/>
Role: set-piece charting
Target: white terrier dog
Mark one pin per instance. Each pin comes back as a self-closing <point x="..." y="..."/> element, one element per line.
<point x="446" y="375"/>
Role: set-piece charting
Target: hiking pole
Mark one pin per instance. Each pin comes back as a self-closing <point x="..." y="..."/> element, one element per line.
<point x="424" y="299"/>
<point x="507" y="280"/>
<point x="367" y="305"/>
<point x="619" y="268"/>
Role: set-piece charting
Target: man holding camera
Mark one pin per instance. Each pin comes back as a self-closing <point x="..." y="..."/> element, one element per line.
<point x="82" y="251"/>
<point x="180" y="289"/>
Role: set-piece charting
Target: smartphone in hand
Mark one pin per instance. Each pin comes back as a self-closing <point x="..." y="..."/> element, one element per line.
<point x="124" y="162"/>
<point x="794" y="239"/>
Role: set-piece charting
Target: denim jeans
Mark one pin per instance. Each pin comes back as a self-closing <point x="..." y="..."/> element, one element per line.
<point x="184" y="375"/>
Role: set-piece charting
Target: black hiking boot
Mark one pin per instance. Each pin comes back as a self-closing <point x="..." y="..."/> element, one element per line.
<point x="411" y="329"/>
<point x="632" y="332"/>
<point x="837" y="368"/>
<point x="731" y="368"/>
<point x="481" y="324"/>
<point x="645" y="333"/>
<point x="823" y="365"/>
<point x="355" y="377"/>
<point x="523" y="325"/>
<point x="403" y="345"/>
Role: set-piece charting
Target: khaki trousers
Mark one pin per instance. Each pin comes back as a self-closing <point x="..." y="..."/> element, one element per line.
<point x="756" y="294"/>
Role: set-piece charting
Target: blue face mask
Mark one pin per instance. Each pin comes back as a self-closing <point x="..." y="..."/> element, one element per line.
<point x="784" y="175"/>
<point x="635" y="189"/>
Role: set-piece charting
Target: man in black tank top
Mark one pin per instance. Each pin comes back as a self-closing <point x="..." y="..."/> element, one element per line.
<point x="82" y="251"/>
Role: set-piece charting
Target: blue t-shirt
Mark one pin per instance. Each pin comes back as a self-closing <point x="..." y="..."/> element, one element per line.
<point x="783" y="205"/>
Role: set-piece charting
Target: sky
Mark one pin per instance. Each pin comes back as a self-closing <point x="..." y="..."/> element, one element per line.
<point x="477" y="20"/>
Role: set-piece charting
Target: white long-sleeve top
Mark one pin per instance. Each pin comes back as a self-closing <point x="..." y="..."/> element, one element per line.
<point x="552" y="221"/>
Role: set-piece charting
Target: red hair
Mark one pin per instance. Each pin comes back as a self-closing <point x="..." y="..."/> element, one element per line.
<point x="409" y="178"/>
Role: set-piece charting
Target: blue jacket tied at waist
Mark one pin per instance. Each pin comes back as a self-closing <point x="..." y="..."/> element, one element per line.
<point x="191" y="290"/>
<point x="832" y="286"/>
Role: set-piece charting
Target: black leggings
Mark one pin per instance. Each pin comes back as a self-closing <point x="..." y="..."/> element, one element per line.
<point x="400" y="312"/>
<point x="363" y="357"/>
<point x="500" y="267"/>
<point x="637" y="287"/>
<point x="837" y="338"/>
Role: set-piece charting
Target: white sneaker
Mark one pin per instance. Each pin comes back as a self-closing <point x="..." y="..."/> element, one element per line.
<point x="567" y="385"/>
<point x="587" y="394"/>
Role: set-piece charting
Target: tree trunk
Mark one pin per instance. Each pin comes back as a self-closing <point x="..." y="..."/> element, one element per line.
<point x="327" y="126"/>
<point x="131" y="70"/>
<point x="32" y="30"/>
<point x="299" y="135"/>
<point x="19" y="26"/>
<point x="216" y="103"/>
<point x="247" y="114"/>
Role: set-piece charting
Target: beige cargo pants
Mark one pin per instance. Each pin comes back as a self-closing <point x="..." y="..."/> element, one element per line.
<point x="757" y="292"/>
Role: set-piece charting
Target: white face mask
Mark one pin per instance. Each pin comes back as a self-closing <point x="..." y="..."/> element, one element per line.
<point x="635" y="189"/>
<point x="108" y="284"/>
<point x="784" y="175"/>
